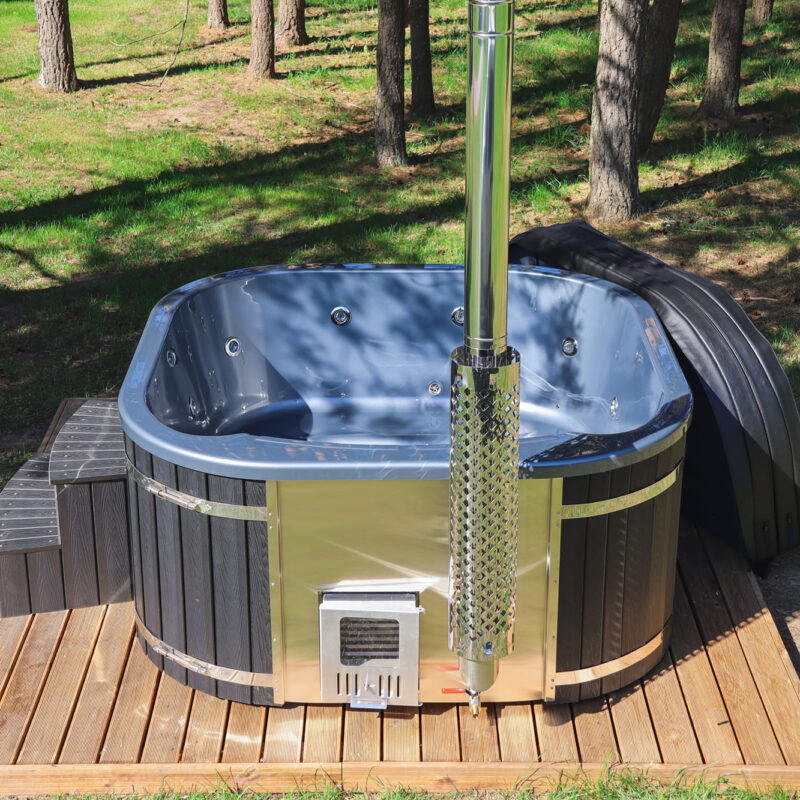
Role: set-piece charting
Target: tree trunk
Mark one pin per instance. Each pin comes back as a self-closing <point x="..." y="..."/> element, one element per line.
<point x="613" y="169"/>
<point x="55" y="46"/>
<point x="762" y="11"/>
<point x="721" y="97"/>
<point x="218" y="14"/>
<point x="262" y="54"/>
<point x="292" y="22"/>
<point x="423" y="105"/>
<point x="662" y="30"/>
<point x="390" y="135"/>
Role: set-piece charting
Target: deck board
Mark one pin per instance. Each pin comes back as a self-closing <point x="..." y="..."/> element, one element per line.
<point x="440" y="733"/>
<point x="23" y="689"/>
<point x="283" y="739"/>
<point x="700" y="690"/>
<point x="401" y="734"/>
<point x="12" y="637"/>
<point x="515" y="732"/>
<point x="746" y="710"/>
<point x="362" y="735"/>
<point x="60" y="694"/>
<point x="479" y="740"/>
<point x="168" y="720"/>
<point x="96" y="702"/>
<point x="594" y="731"/>
<point x="244" y="737"/>
<point x="772" y="675"/>
<point x="76" y="687"/>
<point x="206" y="732"/>
<point x="131" y="715"/>
<point x="673" y="727"/>
<point x="633" y="726"/>
<point x="323" y="733"/>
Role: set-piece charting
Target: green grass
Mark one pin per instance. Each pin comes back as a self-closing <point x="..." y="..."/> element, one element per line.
<point x="615" y="786"/>
<point x="114" y="195"/>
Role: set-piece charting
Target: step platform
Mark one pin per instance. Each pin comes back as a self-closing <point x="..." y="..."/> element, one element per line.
<point x="63" y="516"/>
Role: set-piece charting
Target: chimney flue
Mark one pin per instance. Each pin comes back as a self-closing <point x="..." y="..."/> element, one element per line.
<point x="484" y="396"/>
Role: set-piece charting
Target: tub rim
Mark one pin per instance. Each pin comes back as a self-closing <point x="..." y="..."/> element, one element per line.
<point x="246" y="456"/>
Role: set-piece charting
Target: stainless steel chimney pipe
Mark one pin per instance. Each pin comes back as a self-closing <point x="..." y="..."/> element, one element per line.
<point x="491" y="43"/>
<point x="484" y="392"/>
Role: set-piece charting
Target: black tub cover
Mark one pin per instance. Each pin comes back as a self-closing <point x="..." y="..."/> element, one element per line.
<point x="743" y="452"/>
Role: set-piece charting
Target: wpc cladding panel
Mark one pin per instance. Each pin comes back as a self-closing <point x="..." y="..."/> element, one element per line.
<point x="201" y="582"/>
<point x="617" y="575"/>
<point x="90" y="565"/>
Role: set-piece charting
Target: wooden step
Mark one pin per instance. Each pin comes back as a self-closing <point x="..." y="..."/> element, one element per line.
<point x="89" y="447"/>
<point x="28" y="519"/>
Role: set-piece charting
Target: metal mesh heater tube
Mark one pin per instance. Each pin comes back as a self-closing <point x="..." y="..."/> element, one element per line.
<point x="484" y="396"/>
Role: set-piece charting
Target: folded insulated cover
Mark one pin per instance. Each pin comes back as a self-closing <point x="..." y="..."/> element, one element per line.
<point x="743" y="451"/>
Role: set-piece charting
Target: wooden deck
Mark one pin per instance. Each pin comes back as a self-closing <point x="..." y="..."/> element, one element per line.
<point x="82" y="709"/>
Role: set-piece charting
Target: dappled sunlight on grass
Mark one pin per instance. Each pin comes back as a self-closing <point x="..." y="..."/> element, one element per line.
<point x="111" y="197"/>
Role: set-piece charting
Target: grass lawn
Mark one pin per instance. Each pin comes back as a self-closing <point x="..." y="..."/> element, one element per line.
<point x="113" y="196"/>
<point x="616" y="786"/>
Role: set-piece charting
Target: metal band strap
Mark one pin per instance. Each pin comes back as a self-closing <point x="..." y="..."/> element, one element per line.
<point x="238" y="676"/>
<point x="606" y="668"/>
<point x="210" y="507"/>
<point x="581" y="510"/>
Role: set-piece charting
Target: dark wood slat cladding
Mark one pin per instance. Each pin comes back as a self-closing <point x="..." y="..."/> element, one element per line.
<point x="77" y="544"/>
<point x="258" y="568"/>
<point x="231" y="601"/>
<point x="615" y="576"/>
<point x="133" y="532"/>
<point x="664" y="555"/>
<point x="170" y="568"/>
<point x="573" y="553"/>
<point x="148" y="549"/>
<point x="46" y="581"/>
<point x="110" y="508"/>
<point x="639" y="546"/>
<point x="14" y="597"/>
<point x="212" y="576"/>
<point x="616" y="594"/>
<point x="89" y="446"/>
<point x="594" y="583"/>
<point x="197" y="581"/>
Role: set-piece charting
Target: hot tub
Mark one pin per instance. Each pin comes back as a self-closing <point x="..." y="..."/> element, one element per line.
<point x="287" y="433"/>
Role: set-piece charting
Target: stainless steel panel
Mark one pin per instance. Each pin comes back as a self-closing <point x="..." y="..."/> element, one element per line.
<point x="276" y="593"/>
<point x="393" y="536"/>
<point x="552" y="577"/>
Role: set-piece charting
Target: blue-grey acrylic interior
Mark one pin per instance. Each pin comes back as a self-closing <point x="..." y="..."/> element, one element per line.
<point x="246" y="374"/>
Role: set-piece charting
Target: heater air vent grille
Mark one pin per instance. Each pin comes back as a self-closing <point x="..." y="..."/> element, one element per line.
<point x="362" y="639"/>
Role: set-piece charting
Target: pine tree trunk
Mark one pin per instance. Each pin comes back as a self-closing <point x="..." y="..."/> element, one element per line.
<point x="613" y="168"/>
<point x="659" y="49"/>
<point x="423" y="105"/>
<point x="55" y="46"/>
<point x="292" y="22"/>
<point x="390" y="135"/>
<point x="218" y="14"/>
<point x="262" y="55"/>
<point x="762" y="11"/>
<point x="721" y="97"/>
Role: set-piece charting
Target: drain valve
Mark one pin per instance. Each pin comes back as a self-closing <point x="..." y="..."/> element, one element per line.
<point x="484" y="396"/>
